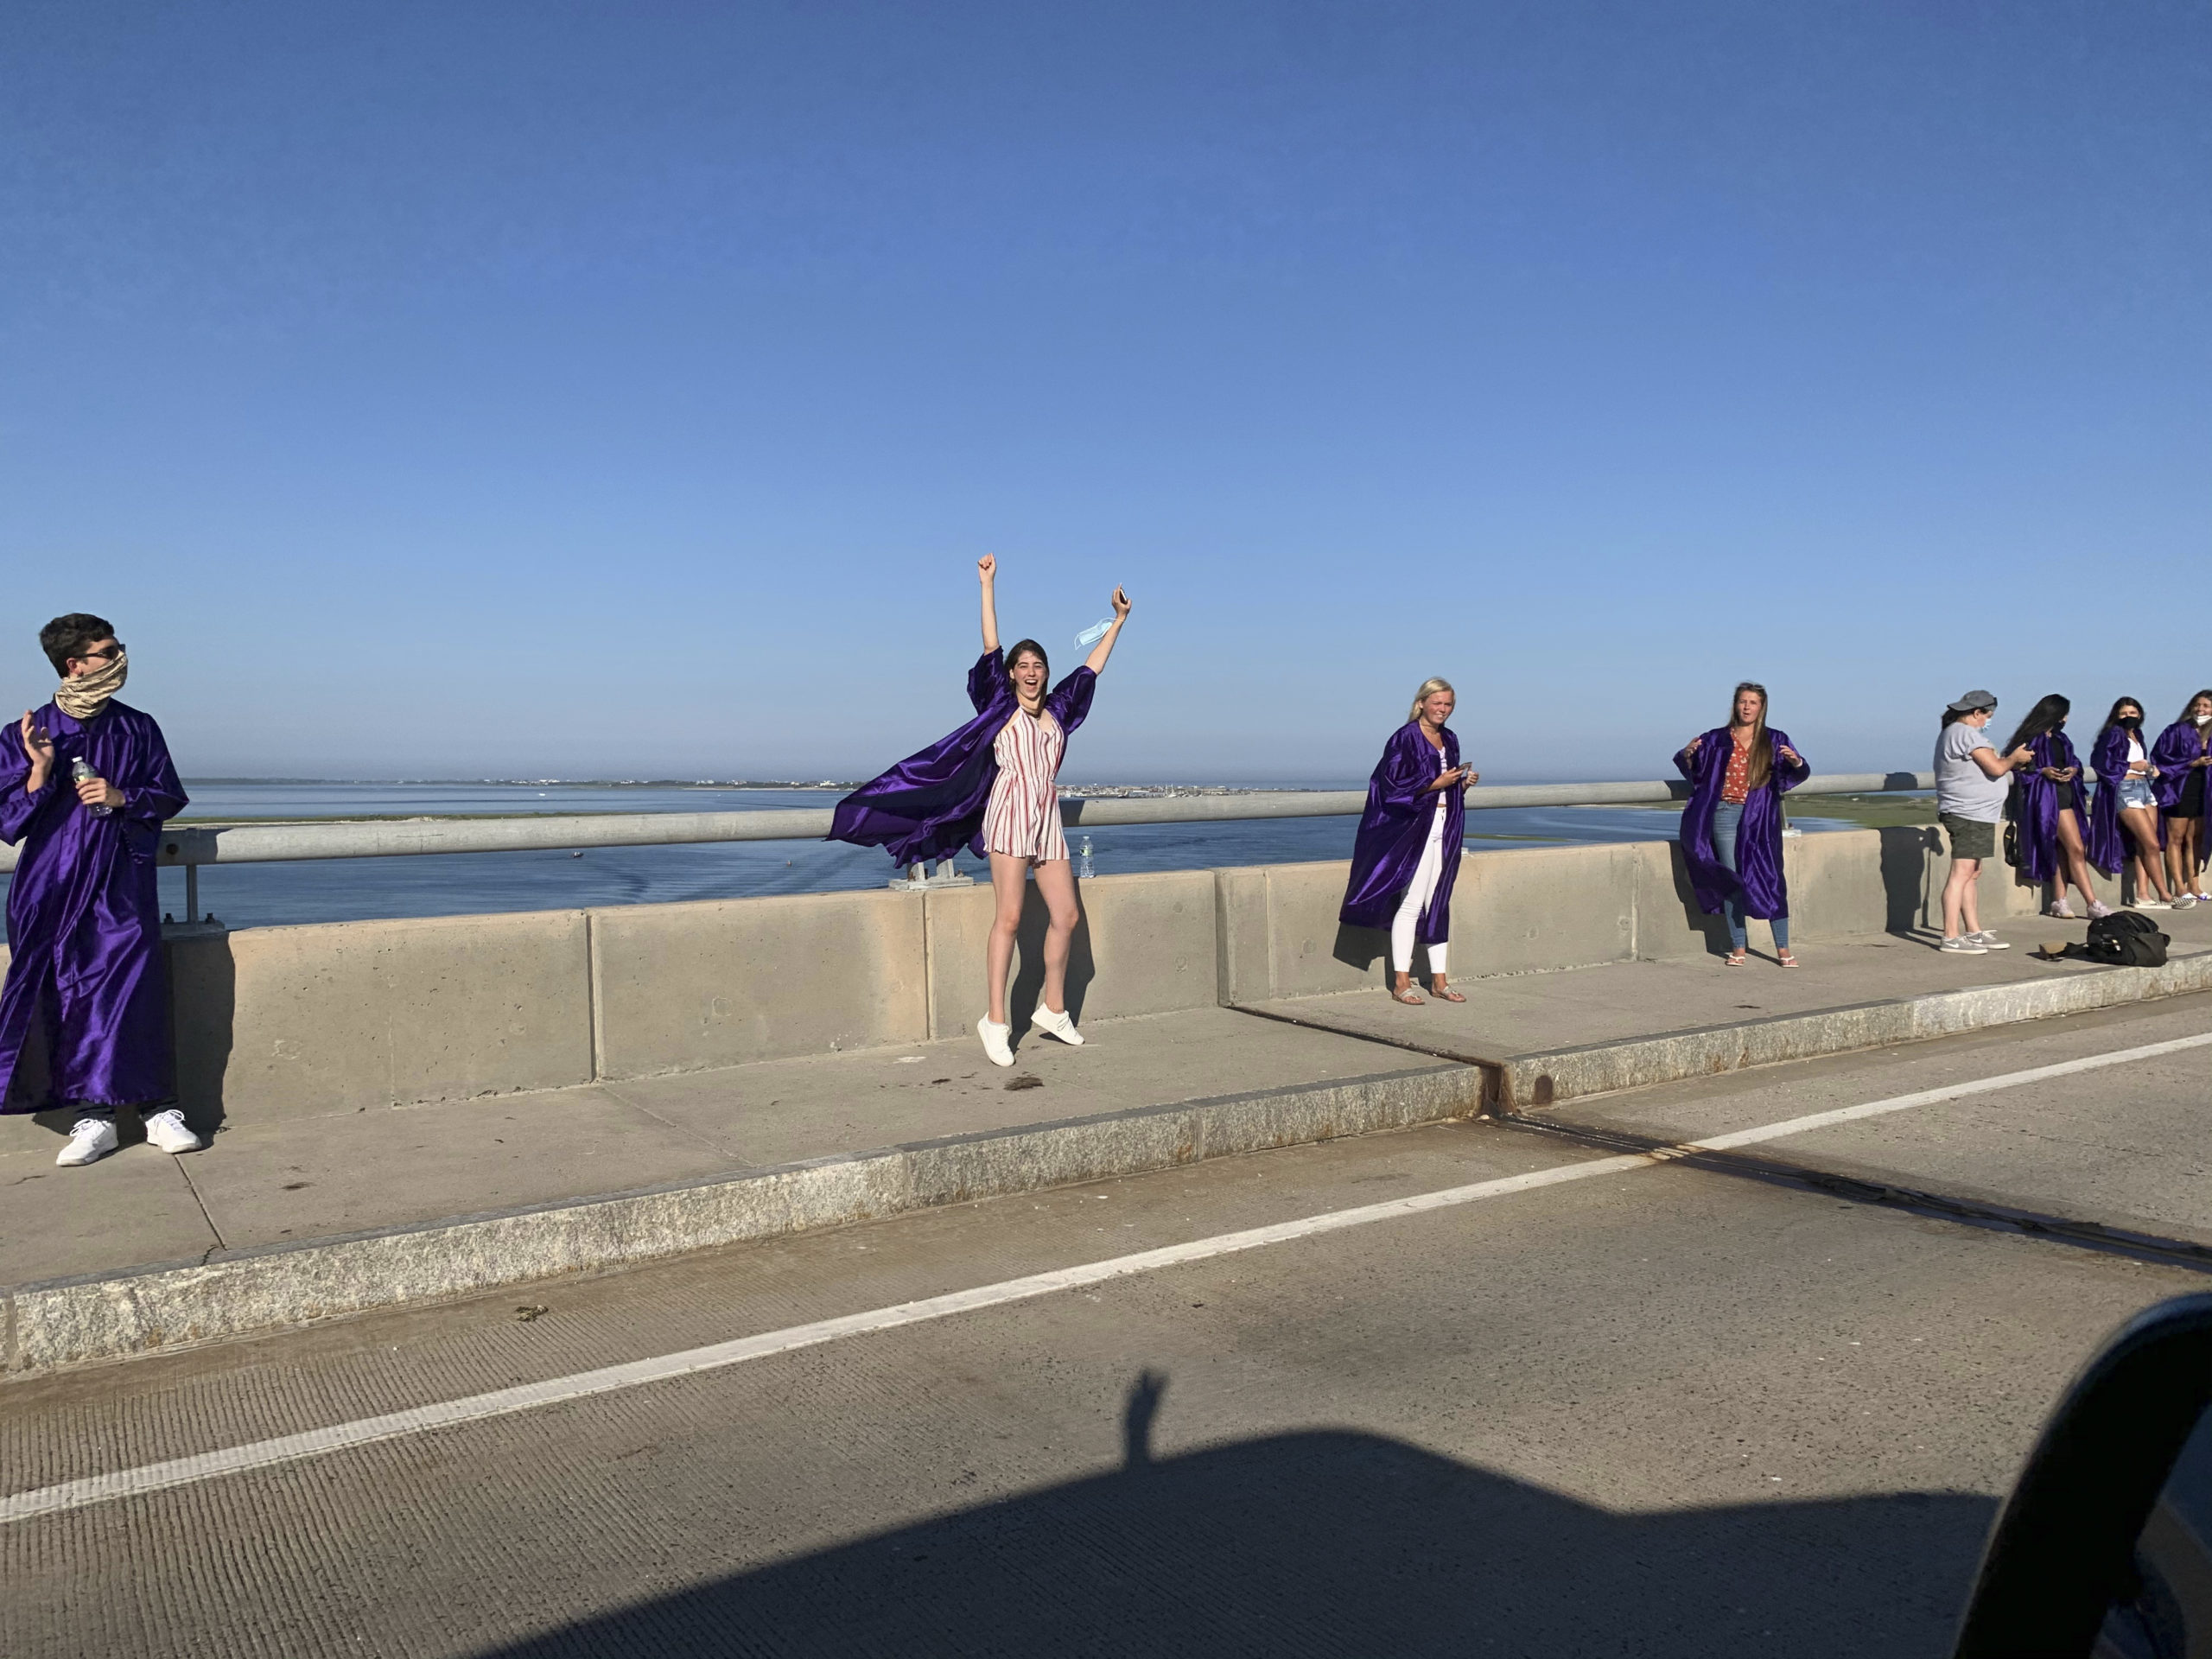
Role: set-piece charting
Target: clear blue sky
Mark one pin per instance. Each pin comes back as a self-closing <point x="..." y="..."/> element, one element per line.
<point x="597" y="389"/>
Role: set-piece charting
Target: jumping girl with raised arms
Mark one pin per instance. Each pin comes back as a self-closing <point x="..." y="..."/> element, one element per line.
<point x="991" y="786"/>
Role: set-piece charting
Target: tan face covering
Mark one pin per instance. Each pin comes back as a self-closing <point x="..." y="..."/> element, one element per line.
<point x="85" y="696"/>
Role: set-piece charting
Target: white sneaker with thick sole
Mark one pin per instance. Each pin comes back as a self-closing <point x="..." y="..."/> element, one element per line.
<point x="91" y="1141"/>
<point x="995" y="1044"/>
<point x="1055" y="1023"/>
<point x="2148" y="904"/>
<point x="167" y="1131"/>
<point x="1989" y="941"/>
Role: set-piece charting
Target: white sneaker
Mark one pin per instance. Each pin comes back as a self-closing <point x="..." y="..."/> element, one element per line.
<point x="1058" y="1024"/>
<point x="1989" y="941"/>
<point x="167" y="1131"/>
<point x="2148" y="904"/>
<point x="1965" y="945"/>
<point x="91" y="1141"/>
<point x="994" y="1036"/>
<point x="2186" y="902"/>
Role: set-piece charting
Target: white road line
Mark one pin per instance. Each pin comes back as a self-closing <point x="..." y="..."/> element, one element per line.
<point x="368" y="1431"/>
<point x="1955" y="1091"/>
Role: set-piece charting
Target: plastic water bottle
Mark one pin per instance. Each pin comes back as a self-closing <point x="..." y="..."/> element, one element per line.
<point x="1082" y="861"/>
<point x="80" y="769"/>
<point x="1095" y="633"/>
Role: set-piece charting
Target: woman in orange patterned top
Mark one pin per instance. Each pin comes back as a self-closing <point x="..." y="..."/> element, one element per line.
<point x="1731" y="826"/>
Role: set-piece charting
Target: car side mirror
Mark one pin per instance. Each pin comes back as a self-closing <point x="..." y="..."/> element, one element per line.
<point x="2104" y="1549"/>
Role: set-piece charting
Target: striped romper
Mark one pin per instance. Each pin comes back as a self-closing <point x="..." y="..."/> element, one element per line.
<point x="1023" y="818"/>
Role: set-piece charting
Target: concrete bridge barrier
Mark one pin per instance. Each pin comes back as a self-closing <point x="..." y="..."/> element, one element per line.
<point x="1147" y="945"/>
<point x="296" y="1022"/>
<point x="686" y="986"/>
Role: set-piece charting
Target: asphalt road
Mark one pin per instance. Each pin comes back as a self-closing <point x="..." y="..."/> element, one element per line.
<point x="1660" y="1408"/>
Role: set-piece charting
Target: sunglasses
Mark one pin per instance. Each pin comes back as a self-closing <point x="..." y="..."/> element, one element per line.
<point x="107" y="655"/>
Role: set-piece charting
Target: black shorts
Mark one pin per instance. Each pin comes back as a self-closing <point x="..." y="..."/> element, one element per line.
<point x="2192" y="804"/>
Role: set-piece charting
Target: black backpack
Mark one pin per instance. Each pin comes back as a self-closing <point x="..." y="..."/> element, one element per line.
<point x="2125" y="939"/>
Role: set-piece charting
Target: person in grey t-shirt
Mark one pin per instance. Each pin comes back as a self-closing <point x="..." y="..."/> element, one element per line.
<point x="1972" y="781"/>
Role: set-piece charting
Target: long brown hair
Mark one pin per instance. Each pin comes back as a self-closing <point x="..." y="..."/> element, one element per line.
<point x="1759" y="765"/>
<point x="2042" y="718"/>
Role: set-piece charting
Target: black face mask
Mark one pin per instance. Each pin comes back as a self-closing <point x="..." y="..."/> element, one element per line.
<point x="2133" y="722"/>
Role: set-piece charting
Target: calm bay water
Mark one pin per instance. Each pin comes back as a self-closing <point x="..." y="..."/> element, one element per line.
<point x="354" y="889"/>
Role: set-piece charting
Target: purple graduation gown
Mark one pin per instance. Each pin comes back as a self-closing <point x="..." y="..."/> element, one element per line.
<point x="2036" y="806"/>
<point x="2178" y="745"/>
<point x="1394" y="829"/>
<point x="1758" y="873"/>
<point x="2106" y="843"/>
<point x="932" y="804"/>
<point x="84" y="919"/>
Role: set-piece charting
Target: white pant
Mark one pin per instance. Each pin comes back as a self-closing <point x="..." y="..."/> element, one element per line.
<point x="1427" y="875"/>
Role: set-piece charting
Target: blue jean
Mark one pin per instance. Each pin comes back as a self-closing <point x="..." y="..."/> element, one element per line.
<point x="1727" y="816"/>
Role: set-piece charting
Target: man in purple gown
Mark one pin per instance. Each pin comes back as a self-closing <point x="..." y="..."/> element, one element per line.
<point x="86" y="785"/>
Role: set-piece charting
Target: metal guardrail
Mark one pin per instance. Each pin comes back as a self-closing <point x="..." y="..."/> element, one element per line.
<point x="262" y="843"/>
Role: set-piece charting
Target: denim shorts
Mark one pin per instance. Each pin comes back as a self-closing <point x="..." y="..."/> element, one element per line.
<point x="2136" y="791"/>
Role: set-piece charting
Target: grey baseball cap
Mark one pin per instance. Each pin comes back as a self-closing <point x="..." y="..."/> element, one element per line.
<point x="1974" y="702"/>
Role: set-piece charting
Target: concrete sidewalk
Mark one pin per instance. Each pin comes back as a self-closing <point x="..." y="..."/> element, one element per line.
<point x="1548" y="1036"/>
<point x="274" y="1184"/>
<point x="307" y="1218"/>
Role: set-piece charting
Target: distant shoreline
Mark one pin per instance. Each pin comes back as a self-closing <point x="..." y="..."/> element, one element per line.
<point x="819" y="785"/>
<point x="1895" y="809"/>
<point x="515" y="783"/>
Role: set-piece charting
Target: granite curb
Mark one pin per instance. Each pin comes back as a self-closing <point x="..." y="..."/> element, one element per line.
<point x="1533" y="1081"/>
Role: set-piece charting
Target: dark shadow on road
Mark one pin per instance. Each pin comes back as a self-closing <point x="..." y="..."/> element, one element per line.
<point x="1137" y="1417"/>
<point x="1336" y="1543"/>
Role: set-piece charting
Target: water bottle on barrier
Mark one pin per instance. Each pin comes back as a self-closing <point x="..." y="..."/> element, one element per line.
<point x="80" y="769"/>
<point x="1082" y="861"/>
